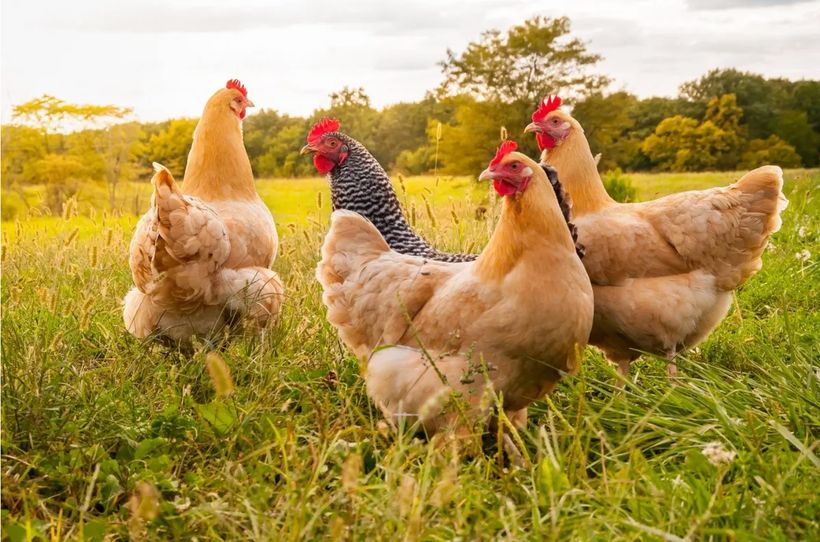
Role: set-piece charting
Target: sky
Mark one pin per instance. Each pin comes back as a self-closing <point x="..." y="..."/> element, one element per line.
<point x="164" y="59"/>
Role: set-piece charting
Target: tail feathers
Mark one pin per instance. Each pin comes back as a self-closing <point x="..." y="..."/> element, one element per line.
<point x="188" y="229"/>
<point x="765" y="186"/>
<point x="350" y="243"/>
<point x="404" y="383"/>
<point x="760" y="192"/>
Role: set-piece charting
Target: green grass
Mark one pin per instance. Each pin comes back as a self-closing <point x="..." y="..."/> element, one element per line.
<point x="104" y="436"/>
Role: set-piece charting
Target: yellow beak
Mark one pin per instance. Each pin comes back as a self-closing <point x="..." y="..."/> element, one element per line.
<point x="532" y="127"/>
<point x="486" y="175"/>
<point x="307" y="149"/>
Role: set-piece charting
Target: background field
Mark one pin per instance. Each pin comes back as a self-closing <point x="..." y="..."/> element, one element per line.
<point x="106" y="436"/>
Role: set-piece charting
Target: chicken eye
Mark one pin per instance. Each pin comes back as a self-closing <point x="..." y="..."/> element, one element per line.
<point x="332" y="143"/>
<point x="514" y="165"/>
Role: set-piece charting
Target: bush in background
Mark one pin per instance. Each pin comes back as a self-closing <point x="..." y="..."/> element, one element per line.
<point x="619" y="186"/>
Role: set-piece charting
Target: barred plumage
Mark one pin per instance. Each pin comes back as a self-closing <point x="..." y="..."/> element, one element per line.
<point x="361" y="185"/>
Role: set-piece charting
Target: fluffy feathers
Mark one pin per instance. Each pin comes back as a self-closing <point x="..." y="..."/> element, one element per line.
<point x="445" y="323"/>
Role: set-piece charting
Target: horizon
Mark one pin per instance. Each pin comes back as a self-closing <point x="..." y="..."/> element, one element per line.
<point x="648" y="48"/>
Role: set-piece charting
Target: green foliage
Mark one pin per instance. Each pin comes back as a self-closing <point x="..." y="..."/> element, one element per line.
<point x="170" y="145"/>
<point x="777" y="106"/>
<point x="771" y="150"/>
<point x="793" y="127"/>
<point x="511" y="67"/>
<point x="681" y="144"/>
<point x="273" y="142"/>
<point x="608" y="125"/>
<point x="22" y="145"/>
<point x="109" y="438"/>
<point x="489" y="88"/>
<point x="669" y="146"/>
<point x="415" y="162"/>
<point x="471" y="131"/>
<point x="760" y="98"/>
<point x="619" y="186"/>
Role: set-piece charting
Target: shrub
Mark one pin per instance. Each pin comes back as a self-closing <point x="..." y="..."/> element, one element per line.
<point x="772" y="150"/>
<point x="619" y="186"/>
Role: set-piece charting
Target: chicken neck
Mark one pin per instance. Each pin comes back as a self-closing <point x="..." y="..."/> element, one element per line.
<point x="531" y="226"/>
<point x="579" y="174"/>
<point x="218" y="166"/>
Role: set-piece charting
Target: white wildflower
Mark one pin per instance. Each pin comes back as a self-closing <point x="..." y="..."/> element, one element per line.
<point x="802" y="231"/>
<point x="803" y="255"/>
<point x="770" y="247"/>
<point x="717" y="454"/>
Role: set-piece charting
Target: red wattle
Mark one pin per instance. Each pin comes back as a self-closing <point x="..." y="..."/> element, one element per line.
<point x="503" y="188"/>
<point x="545" y="141"/>
<point x="323" y="165"/>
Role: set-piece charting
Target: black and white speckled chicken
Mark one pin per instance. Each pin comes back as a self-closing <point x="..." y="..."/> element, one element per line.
<point x="358" y="183"/>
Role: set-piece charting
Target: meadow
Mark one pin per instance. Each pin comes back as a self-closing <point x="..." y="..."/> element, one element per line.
<point x="106" y="437"/>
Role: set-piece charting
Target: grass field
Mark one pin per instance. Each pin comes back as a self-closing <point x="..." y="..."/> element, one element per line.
<point x="104" y="437"/>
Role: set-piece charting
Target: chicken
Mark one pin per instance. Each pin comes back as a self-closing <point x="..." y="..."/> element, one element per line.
<point x="201" y="256"/>
<point x="663" y="271"/>
<point x="516" y="319"/>
<point x="358" y="183"/>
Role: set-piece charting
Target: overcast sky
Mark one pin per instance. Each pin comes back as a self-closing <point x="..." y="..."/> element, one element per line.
<point x="165" y="58"/>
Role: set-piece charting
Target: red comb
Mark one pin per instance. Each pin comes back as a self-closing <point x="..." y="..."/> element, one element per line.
<point x="506" y="148"/>
<point x="235" y="84"/>
<point x="549" y="104"/>
<point x="322" y="127"/>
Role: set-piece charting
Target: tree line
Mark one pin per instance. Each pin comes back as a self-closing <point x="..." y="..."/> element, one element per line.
<point x="725" y="120"/>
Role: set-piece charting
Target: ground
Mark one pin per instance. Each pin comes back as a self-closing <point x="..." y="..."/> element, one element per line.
<point x="107" y="437"/>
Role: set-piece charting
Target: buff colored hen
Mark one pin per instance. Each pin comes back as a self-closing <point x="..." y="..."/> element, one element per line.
<point x="663" y="271"/>
<point x="523" y="308"/>
<point x="201" y="256"/>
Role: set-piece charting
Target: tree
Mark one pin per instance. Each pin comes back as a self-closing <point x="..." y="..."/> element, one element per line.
<point x="726" y="116"/>
<point x="607" y="125"/>
<point x="21" y="145"/>
<point x="793" y="127"/>
<point x="469" y="140"/>
<point x="352" y="107"/>
<point x="806" y="97"/>
<point x="771" y="150"/>
<point x="170" y="145"/>
<point x="402" y="128"/>
<point x="680" y="143"/>
<point x="669" y="146"/>
<point x="117" y="145"/>
<point x="50" y="114"/>
<point x="531" y="60"/>
<point x="760" y="98"/>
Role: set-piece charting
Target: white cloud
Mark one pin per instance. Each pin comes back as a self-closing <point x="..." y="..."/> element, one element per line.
<point x="732" y="4"/>
<point x="166" y="59"/>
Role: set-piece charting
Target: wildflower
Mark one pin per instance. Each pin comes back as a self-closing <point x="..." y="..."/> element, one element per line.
<point x="802" y="231"/>
<point x="717" y="454"/>
<point x="803" y="255"/>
